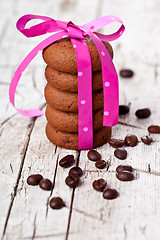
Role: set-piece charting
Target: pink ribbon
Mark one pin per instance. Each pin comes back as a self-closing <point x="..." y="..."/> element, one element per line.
<point x="84" y="69"/>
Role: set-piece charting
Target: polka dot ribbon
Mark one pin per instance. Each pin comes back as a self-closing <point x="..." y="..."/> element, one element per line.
<point x="76" y="33"/>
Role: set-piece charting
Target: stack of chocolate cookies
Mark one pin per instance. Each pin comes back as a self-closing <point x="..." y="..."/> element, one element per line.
<point x="61" y="93"/>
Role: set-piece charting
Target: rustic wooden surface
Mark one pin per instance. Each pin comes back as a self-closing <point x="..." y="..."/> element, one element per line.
<point x="24" y="149"/>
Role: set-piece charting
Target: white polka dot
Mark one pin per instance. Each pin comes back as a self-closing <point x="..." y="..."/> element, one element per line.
<point x="74" y="46"/>
<point x="92" y="27"/>
<point x="106" y="113"/>
<point x="83" y="102"/>
<point x="107" y="84"/>
<point x="103" y="54"/>
<point x="80" y="74"/>
<point x="85" y="129"/>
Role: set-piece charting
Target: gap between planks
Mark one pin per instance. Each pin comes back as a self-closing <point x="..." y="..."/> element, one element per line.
<point x="13" y="195"/>
<point x="53" y="183"/>
<point x="72" y="199"/>
<point x="30" y="126"/>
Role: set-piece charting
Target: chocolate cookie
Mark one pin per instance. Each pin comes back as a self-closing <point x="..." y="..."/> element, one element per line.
<point x="69" y="82"/>
<point x="61" y="55"/>
<point x="68" y="102"/>
<point x="70" y="140"/>
<point x="68" y="122"/>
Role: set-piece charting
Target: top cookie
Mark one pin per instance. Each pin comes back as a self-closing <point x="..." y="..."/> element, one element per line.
<point x="61" y="55"/>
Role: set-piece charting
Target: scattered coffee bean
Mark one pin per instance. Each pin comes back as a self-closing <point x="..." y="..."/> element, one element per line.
<point x="122" y="168"/>
<point x="75" y="172"/>
<point x="125" y="176"/>
<point x="123" y="109"/>
<point x="110" y="193"/>
<point x="131" y="140"/>
<point x="67" y="161"/>
<point x="72" y="181"/>
<point x="101" y="164"/>
<point x="120" y="153"/>
<point x="34" y="179"/>
<point x="116" y="143"/>
<point x="147" y="139"/>
<point x="99" y="185"/>
<point x="56" y="203"/>
<point x="93" y="155"/>
<point x="154" y="129"/>
<point x="126" y="73"/>
<point x="45" y="184"/>
<point x="143" y="113"/>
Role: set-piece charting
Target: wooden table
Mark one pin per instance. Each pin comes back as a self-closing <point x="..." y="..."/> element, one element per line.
<point x="24" y="148"/>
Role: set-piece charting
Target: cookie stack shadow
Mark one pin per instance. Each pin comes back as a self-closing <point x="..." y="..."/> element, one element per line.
<point x="61" y="93"/>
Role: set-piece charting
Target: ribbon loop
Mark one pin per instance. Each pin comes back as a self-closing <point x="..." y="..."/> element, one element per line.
<point x="48" y="25"/>
<point x="111" y="37"/>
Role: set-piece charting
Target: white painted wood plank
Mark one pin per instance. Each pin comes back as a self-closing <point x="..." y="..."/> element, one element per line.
<point x="7" y="9"/>
<point x="14" y="137"/>
<point x="141" y="38"/>
<point x="133" y="215"/>
<point x="29" y="93"/>
<point x="140" y="92"/>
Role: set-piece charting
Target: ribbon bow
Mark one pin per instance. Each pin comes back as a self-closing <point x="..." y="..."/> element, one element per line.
<point x="84" y="69"/>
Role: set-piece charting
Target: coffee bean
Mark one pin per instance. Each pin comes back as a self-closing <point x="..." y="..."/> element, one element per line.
<point x="34" y="179"/>
<point x="123" y="109"/>
<point x="154" y="129"/>
<point x="131" y="140"/>
<point x="120" y="153"/>
<point x="101" y="164"/>
<point x="122" y="168"/>
<point x="147" y="139"/>
<point x="99" y="185"/>
<point x="143" y="113"/>
<point x="125" y="176"/>
<point x="56" y="203"/>
<point x="75" y="172"/>
<point x="110" y="193"/>
<point x="72" y="181"/>
<point x="45" y="184"/>
<point x="126" y="73"/>
<point x="67" y="161"/>
<point x="116" y="143"/>
<point x="93" y="155"/>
